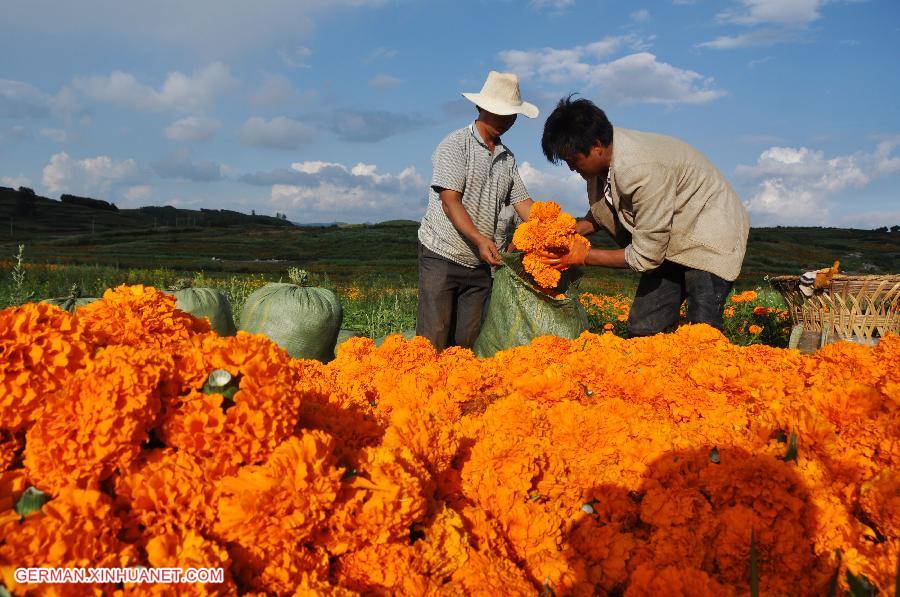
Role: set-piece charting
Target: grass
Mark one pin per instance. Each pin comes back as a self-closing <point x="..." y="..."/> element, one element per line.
<point x="371" y="266"/>
<point x="374" y="304"/>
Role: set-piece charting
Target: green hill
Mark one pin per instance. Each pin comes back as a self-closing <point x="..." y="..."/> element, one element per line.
<point x="25" y="216"/>
<point x="227" y="241"/>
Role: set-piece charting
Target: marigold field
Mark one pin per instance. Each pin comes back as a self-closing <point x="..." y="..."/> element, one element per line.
<point x="677" y="464"/>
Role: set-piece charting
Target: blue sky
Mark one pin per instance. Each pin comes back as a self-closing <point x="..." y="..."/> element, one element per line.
<point x="330" y="109"/>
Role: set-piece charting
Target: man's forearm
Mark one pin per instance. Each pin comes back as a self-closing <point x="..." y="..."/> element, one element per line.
<point x="460" y="218"/>
<point x="606" y="258"/>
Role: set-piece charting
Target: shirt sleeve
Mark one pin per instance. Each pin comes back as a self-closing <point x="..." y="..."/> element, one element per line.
<point x="652" y="193"/>
<point x="517" y="192"/>
<point x="449" y="166"/>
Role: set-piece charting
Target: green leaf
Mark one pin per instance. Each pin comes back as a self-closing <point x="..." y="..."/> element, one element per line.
<point x="791" y="453"/>
<point x="859" y="586"/>
<point x="4" y="592"/>
<point x="31" y="501"/>
<point x="754" y="566"/>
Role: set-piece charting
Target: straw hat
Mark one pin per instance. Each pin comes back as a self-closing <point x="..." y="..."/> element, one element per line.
<point x="500" y="95"/>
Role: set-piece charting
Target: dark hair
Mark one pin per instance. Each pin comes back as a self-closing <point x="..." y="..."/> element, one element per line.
<point x="574" y="127"/>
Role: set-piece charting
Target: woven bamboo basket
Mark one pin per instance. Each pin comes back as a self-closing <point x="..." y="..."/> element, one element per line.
<point x="856" y="308"/>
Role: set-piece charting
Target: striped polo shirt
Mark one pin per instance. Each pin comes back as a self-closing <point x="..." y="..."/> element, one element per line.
<point x="487" y="182"/>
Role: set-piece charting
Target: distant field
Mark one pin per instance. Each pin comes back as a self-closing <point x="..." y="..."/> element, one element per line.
<point x="223" y="244"/>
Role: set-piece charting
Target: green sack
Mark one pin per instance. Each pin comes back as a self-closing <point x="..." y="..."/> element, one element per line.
<point x="72" y="302"/>
<point x="205" y="302"/>
<point x="303" y="320"/>
<point x="518" y="313"/>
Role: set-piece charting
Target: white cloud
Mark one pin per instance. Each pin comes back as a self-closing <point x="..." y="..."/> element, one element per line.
<point x="21" y="100"/>
<point x="559" y="66"/>
<point x="280" y="132"/>
<point x="15" y="181"/>
<point x="796" y="185"/>
<point x="327" y="191"/>
<point x="635" y="78"/>
<point x="770" y="22"/>
<point x="766" y="36"/>
<point x="179" y="92"/>
<point x="777" y="12"/>
<point x="384" y="82"/>
<point x="557" y="5"/>
<point x="760" y="61"/>
<point x="205" y="28"/>
<point x="193" y="129"/>
<point x="371" y="126"/>
<point x="57" y="135"/>
<point x="138" y="195"/>
<point x="641" y="78"/>
<point x="380" y="54"/>
<point x="640" y="16"/>
<point x="95" y="177"/>
<point x="556" y="184"/>
<point x="296" y="58"/>
<point x="276" y="90"/>
<point x="18" y="132"/>
<point x="871" y="219"/>
<point x="181" y="166"/>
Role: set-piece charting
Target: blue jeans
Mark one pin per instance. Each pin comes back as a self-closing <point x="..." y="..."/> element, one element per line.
<point x="661" y="292"/>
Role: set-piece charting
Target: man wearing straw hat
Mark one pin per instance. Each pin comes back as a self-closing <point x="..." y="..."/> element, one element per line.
<point x="677" y="219"/>
<point x="475" y="176"/>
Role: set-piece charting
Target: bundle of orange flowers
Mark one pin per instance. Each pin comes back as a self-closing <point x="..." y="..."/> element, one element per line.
<point x="677" y="464"/>
<point x="547" y="230"/>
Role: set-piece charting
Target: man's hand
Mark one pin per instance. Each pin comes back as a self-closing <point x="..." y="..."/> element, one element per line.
<point x="489" y="251"/>
<point x="576" y="255"/>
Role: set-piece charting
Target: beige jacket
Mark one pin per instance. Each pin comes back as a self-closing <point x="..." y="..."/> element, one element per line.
<point x="672" y="203"/>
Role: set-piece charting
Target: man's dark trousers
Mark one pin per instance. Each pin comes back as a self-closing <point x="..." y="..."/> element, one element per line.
<point x="452" y="300"/>
<point x="661" y="292"/>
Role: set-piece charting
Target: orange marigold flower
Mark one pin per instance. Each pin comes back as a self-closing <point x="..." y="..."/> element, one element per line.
<point x="78" y="528"/>
<point x="388" y="569"/>
<point x="283" y="501"/>
<point x="744" y="297"/>
<point x="225" y="433"/>
<point x="188" y="549"/>
<point x="40" y="347"/>
<point x="380" y="502"/>
<point x="676" y="581"/>
<point x="547" y="229"/>
<point x="484" y="571"/>
<point x="880" y="500"/>
<point x="267" y="510"/>
<point x="139" y="315"/>
<point x="760" y="310"/>
<point x="754" y="329"/>
<point x="95" y="427"/>
<point x="608" y="327"/>
<point x="167" y="490"/>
